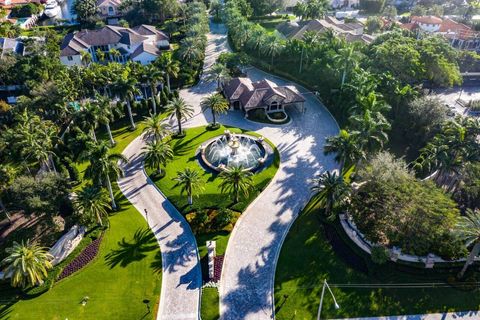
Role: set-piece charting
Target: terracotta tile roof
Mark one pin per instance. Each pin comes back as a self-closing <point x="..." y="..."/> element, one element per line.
<point x="448" y="25"/>
<point x="426" y="19"/>
<point x="409" y="26"/>
<point x="255" y="95"/>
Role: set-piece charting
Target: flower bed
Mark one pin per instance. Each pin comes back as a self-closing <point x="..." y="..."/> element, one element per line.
<point x="83" y="259"/>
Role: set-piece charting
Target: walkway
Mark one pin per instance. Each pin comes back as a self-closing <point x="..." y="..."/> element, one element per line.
<point x="181" y="274"/>
<point x="246" y="288"/>
<point x="461" y="315"/>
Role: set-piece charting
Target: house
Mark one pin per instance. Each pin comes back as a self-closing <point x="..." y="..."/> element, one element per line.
<point x="352" y="31"/>
<point x="458" y="34"/>
<point x="8" y="45"/>
<point x="142" y="44"/>
<point x="109" y="8"/>
<point x="243" y="94"/>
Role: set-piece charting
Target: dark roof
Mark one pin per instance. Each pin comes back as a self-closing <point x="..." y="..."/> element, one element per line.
<point x="288" y="28"/>
<point x="255" y="95"/>
<point x="128" y="37"/>
<point x="145" y="47"/>
<point x="148" y="30"/>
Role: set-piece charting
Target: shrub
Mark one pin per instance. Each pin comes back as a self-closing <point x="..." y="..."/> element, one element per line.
<point x="223" y="218"/>
<point x="26" y="10"/>
<point x="379" y="255"/>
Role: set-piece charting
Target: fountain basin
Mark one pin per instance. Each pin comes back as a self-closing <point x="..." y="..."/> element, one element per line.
<point x="234" y="150"/>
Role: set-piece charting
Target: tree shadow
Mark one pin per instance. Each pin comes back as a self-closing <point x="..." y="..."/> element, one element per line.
<point x="136" y="249"/>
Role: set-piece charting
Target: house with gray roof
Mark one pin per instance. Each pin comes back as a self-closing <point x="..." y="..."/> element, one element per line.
<point x="142" y="44"/>
<point x="243" y="94"/>
<point x="351" y="31"/>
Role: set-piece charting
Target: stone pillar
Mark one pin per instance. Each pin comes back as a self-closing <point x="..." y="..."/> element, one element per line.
<point x="211" y="247"/>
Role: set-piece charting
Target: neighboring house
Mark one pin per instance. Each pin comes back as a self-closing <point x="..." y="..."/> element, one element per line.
<point x="109" y="8"/>
<point x="458" y="34"/>
<point x="243" y="94"/>
<point x="12" y="3"/>
<point x="141" y="44"/>
<point x="349" y="4"/>
<point x="352" y="31"/>
<point x="8" y="45"/>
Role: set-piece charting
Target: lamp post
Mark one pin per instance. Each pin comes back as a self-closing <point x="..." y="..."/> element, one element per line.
<point x="325" y="285"/>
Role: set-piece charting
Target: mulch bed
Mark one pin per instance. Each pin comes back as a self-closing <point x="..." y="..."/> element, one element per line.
<point x="84" y="258"/>
<point x="218" y="263"/>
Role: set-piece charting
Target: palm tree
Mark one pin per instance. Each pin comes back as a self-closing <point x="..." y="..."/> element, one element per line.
<point x="189" y="50"/>
<point x="86" y="58"/>
<point x="179" y="109"/>
<point x="217" y="104"/>
<point x="330" y="189"/>
<point x="157" y="154"/>
<point x="154" y="76"/>
<point x="126" y="88"/>
<point x="26" y="264"/>
<point x="7" y="175"/>
<point x="169" y="66"/>
<point x="272" y="47"/>
<point x="346" y="146"/>
<point x="235" y="180"/>
<point x="372" y="130"/>
<point x="92" y="203"/>
<point x="104" y="165"/>
<point x="105" y="110"/>
<point x="156" y="127"/>
<point x="346" y="59"/>
<point x="219" y="73"/>
<point x="190" y="182"/>
<point x="468" y="228"/>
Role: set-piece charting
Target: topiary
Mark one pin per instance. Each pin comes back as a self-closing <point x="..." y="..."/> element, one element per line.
<point x="379" y="254"/>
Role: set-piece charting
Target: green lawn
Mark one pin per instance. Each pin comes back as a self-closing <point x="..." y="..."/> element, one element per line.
<point x="210" y="309"/>
<point x="307" y="258"/>
<point x="125" y="273"/>
<point x="185" y="156"/>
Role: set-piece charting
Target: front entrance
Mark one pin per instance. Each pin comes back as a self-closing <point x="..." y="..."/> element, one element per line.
<point x="236" y="105"/>
<point x="274" y="106"/>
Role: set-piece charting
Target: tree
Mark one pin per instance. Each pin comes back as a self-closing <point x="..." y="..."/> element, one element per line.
<point x="190" y="51"/>
<point x="390" y="12"/>
<point x="103" y="166"/>
<point x="7" y="176"/>
<point x="346" y="147"/>
<point x="372" y="127"/>
<point x="347" y="59"/>
<point x="468" y="228"/>
<point x="105" y="110"/>
<point x="330" y="191"/>
<point x="27" y="264"/>
<point x="311" y="9"/>
<point x="418" y="11"/>
<point x="154" y="76"/>
<point x="218" y="73"/>
<point x="272" y="47"/>
<point x="92" y="204"/>
<point x="157" y="154"/>
<point x="169" y="66"/>
<point x="156" y="128"/>
<point x="216" y="103"/>
<point x="126" y="88"/>
<point x="236" y="180"/>
<point x="178" y="108"/>
<point x="373" y="24"/>
<point x="86" y="11"/>
<point x="190" y="182"/>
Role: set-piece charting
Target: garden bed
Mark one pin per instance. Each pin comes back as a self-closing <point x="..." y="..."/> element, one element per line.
<point x="84" y="258"/>
<point x="259" y="115"/>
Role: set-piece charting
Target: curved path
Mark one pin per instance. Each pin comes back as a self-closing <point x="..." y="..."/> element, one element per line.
<point x="181" y="272"/>
<point x="246" y="288"/>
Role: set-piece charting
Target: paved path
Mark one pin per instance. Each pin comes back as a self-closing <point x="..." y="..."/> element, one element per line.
<point x="461" y="315"/>
<point x="246" y="288"/>
<point x="181" y="274"/>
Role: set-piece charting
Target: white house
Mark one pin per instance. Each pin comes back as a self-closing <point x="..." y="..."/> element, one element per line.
<point x="141" y="44"/>
<point x="427" y="23"/>
<point x="109" y="8"/>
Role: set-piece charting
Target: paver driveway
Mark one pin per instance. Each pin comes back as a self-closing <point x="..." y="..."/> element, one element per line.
<point x="246" y="288"/>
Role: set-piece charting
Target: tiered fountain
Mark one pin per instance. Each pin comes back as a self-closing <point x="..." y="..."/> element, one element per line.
<point x="234" y="150"/>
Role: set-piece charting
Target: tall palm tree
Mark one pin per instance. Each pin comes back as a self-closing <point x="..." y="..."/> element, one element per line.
<point x="169" y="66"/>
<point x="87" y="118"/>
<point x="216" y="103"/>
<point x="92" y="203"/>
<point x="189" y="50"/>
<point x="156" y="128"/>
<point x="154" y="76"/>
<point x="235" y="180"/>
<point x="346" y="146"/>
<point x="103" y="166"/>
<point x="190" y="182"/>
<point x="105" y="110"/>
<point x="272" y="47"/>
<point x="347" y="59"/>
<point x="330" y="189"/>
<point x="372" y="130"/>
<point x="27" y="264"/>
<point x="218" y="73"/>
<point x="179" y="109"/>
<point x="157" y="154"/>
<point x="468" y="228"/>
<point x="126" y="88"/>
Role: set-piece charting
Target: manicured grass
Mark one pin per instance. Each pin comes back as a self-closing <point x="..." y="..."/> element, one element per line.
<point x="125" y="273"/>
<point x="211" y="197"/>
<point x="307" y="258"/>
<point x="210" y="309"/>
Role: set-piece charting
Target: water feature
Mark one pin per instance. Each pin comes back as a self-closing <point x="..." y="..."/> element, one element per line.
<point x="234" y="150"/>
